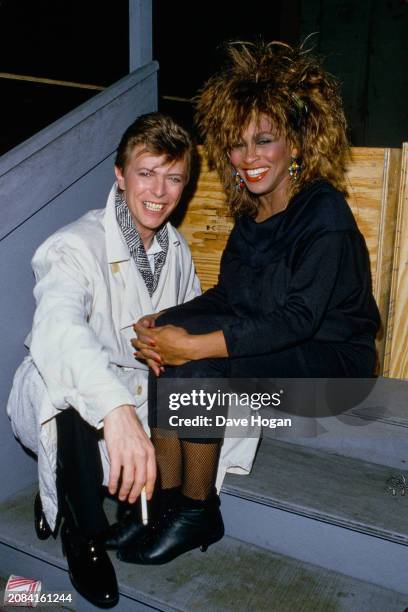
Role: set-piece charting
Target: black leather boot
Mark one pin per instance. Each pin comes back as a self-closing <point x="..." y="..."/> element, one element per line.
<point x="127" y="531"/>
<point x="178" y="531"/>
<point x="90" y="569"/>
<point x="42" y="529"/>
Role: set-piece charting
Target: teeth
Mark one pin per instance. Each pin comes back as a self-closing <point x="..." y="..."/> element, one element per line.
<point x="152" y="206"/>
<point x="256" y="171"/>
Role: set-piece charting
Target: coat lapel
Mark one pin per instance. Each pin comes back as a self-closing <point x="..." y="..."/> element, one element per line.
<point x="128" y="290"/>
<point x="135" y="297"/>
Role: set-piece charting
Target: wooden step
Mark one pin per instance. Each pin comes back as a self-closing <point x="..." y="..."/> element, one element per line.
<point x="374" y="429"/>
<point x="322" y="508"/>
<point x="329" y="487"/>
<point x="232" y="574"/>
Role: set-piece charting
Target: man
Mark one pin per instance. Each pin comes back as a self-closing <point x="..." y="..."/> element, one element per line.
<point x="81" y="388"/>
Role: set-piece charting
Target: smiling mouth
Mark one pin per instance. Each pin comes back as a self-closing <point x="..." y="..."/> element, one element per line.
<point x="256" y="174"/>
<point x="153" y="207"/>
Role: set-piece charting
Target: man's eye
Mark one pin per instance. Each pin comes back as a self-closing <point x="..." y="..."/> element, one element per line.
<point x="145" y="173"/>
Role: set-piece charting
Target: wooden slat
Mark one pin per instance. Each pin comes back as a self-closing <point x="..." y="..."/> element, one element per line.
<point x="373" y="182"/>
<point x="396" y="358"/>
<point x="207" y="224"/>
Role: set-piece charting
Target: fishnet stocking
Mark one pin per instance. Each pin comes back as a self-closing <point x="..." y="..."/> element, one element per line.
<point x="168" y="457"/>
<point x="200" y="463"/>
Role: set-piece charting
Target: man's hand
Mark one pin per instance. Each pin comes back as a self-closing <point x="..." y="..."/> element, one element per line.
<point x="148" y="320"/>
<point x="131" y="454"/>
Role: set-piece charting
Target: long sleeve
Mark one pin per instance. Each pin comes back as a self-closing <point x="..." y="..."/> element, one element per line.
<point x="311" y="288"/>
<point x="193" y="288"/>
<point x="212" y="300"/>
<point x="74" y="364"/>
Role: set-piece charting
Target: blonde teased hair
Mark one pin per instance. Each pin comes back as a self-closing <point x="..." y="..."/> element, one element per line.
<point x="301" y="99"/>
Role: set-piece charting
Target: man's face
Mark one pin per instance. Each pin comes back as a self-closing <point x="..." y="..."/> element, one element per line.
<point x="152" y="187"/>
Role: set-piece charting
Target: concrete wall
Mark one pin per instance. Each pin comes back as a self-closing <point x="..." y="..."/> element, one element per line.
<point x="46" y="182"/>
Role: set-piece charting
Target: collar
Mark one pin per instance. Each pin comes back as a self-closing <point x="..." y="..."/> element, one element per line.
<point x="116" y="248"/>
<point x="154" y="247"/>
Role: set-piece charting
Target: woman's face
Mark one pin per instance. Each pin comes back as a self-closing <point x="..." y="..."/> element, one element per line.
<point x="153" y="187"/>
<point x="262" y="158"/>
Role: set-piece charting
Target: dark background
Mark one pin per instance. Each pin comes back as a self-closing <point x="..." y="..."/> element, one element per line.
<point x="363" y="42"/>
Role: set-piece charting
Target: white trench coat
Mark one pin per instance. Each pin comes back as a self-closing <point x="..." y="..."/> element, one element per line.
<point x="89" y="293"/>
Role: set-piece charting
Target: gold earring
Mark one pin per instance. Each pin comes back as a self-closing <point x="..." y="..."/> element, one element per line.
<point x="295" y="168"/>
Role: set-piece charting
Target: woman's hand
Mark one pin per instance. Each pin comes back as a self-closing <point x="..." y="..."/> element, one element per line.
<point x="149" y="321"/>
<point x="166" y="345"/>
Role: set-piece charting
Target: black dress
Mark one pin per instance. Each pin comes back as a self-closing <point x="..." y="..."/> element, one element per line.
<point x="294" y="296"/>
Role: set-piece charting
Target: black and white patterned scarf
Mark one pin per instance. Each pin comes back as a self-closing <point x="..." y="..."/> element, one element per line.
<point x="136" y="246"/>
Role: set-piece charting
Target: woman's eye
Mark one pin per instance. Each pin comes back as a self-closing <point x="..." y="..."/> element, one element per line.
<point x="145" y="173"/>
<point x="264" y="141"/>
<point x="237" y="145"/>
<point x="175" y="179"/>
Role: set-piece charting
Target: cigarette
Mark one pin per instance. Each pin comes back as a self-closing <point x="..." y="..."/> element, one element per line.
<point x="143" y="502"/>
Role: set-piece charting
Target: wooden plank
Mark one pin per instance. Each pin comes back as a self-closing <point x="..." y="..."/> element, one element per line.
<point x="373" y="182"/>
<point x="397" y="340"/>
<point x="207" y="224"/>
<point x="58" y="83"/>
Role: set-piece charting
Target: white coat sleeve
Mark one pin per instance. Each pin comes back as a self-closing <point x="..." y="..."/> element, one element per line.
<point x="70" y="358"/>
<point x="192" y="287"/>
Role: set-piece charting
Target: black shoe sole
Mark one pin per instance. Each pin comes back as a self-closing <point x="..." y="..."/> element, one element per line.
<point x="140" y="561"/>
<point x="89" y="598"/>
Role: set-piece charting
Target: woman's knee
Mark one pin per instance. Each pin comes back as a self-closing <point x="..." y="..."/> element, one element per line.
<point x="203" y="368"/>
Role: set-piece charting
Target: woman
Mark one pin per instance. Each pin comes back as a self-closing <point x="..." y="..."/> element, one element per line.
<point x="294" y="294"/>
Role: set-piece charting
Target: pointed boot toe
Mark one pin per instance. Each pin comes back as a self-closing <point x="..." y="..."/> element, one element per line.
<point x="178" y="531"/>
<point x="123" y="534"/>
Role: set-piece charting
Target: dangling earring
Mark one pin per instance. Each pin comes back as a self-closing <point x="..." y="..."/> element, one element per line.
<point x="295" y="168"/>
<point x="239" y="181"/>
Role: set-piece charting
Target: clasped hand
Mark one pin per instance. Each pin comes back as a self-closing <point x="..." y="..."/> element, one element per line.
<point x="160" y="346"/>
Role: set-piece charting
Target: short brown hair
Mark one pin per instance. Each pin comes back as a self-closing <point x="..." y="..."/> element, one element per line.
<point x="160" y="135"/>
<point x="301" y="99"/>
